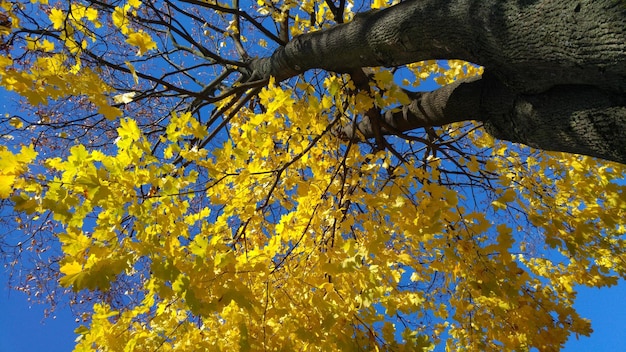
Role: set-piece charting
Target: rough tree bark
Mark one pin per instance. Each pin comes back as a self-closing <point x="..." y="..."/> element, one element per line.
<point x="555" y="71"/>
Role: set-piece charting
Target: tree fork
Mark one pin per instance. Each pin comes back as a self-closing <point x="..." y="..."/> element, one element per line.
<point x="554" y="76"/>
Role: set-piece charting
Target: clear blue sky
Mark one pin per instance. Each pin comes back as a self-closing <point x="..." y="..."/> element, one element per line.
<point x="24" y="329"/>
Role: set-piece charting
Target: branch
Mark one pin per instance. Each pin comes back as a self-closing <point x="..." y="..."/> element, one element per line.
<point x="459" y="101"/>
<point x="407" y="32"/>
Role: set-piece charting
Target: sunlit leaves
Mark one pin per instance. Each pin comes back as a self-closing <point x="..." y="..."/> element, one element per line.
<point x="442" y="72"/>
<point x="35" y="44"/>
<point x="276" y="99"/>
<point x="120" y="20"/>
<point x="128" y="130"/>
<point x="13" y="166"/>
<point x="50" y="78"/>
<point x="138" y="38"/>
<point x="96" y="273"/>
<point x="184" y="125"/>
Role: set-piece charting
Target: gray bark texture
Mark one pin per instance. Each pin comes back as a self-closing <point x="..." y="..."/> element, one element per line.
<point x="555" y="70"/>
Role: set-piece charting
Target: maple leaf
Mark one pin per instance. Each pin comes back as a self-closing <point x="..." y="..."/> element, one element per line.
<point x="6" y="185"/>
<point x="142" y="40"/>
<point x="134" y="3"/>
<point x="57" y="17"/>
<point x="129" y="129"/>
<point x="124" y="98"/>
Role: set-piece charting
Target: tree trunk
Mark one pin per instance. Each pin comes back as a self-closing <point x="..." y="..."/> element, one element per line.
<point x="555" y="71"/>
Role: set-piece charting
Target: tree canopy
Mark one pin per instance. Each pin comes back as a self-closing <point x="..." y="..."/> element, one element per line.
<point x="271" y="175"/>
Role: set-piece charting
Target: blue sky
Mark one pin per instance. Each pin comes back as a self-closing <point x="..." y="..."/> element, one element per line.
<point x="24" y="329"/>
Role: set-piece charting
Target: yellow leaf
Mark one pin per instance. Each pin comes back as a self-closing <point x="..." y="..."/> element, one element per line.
<point x="119" y="20"/>
<point x="46" y="45"/>
<point x="199" y="246"/>
<point x="6" y="185"/>
<point x="91" y="14"/>
<point x="451" y="198"/>
<point x="57" y="17"/>
<point x="16" y="123"/>
<point x="142" y="40"/>
<point x="124" y="98"/>
<point x="69" y="269"/>
<point x="36" y="44"/>
<point x="473" y="165"/>
<point x="27" y="154"/>
<point x="383" y="77"/>
<point x="377" y="4"/>
<point x="109" y="112"/>
<point x="134" y="3"/>
<point x="132" y="71"/>
<point x="129" y="129"/>
<point x="508" y="196"/>
<point x="5" y="61"/>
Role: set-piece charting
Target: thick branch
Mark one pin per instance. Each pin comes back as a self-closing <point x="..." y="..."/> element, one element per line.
<point x="532" y="45"/>
<point x="568" y="118"/>
<point x="408" y="32"/>
<point x="455" y="102"/>
<point x="575" y="119"/>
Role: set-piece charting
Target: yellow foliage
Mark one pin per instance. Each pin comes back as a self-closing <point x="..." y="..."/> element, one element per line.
<point x="13" y="166"/>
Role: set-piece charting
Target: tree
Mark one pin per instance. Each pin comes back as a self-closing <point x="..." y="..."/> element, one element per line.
<point x="197" y="187"/>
